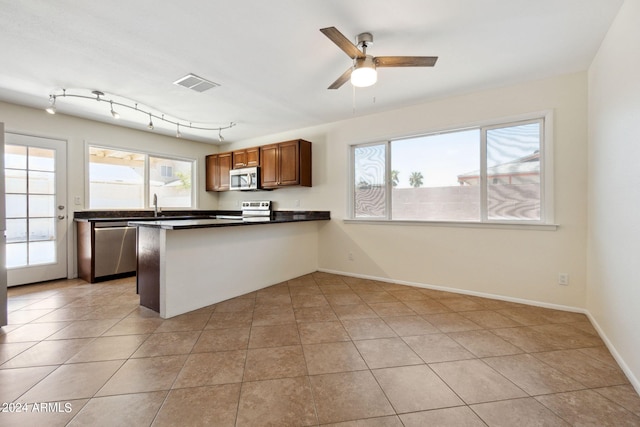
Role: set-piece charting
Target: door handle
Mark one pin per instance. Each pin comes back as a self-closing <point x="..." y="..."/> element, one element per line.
<point x="61" y="216"/>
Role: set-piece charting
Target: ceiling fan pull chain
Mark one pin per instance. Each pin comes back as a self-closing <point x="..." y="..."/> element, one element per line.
<point x="353" y="100"/>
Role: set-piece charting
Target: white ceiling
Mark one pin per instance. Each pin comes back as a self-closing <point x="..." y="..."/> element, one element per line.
<point x="271" y="60"/>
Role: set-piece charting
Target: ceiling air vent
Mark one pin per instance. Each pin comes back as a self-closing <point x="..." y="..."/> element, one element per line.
<point x="193" y="82"/>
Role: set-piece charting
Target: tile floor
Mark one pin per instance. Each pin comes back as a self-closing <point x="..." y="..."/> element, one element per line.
<point x="317" y="350"/>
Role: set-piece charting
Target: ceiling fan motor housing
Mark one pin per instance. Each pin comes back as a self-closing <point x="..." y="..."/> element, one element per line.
<point x="364" y="39"/>
<point x="368" y="61"/>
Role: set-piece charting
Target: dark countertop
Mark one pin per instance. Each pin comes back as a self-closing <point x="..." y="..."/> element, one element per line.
<point x="147" y="215"/>
<point x="277" y="217"/>
<point x="182" y="219"/>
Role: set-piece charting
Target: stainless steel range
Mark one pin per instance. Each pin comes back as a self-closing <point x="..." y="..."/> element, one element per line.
<point x="256" y="210"/>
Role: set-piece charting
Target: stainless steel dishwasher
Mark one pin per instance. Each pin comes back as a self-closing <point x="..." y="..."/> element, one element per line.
<point x="115" y="248"/>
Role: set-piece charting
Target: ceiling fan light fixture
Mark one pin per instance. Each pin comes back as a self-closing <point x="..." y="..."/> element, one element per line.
<point x="364" y="73"/>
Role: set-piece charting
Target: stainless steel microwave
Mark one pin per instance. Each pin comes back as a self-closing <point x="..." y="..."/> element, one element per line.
<point x="244" y="179"/>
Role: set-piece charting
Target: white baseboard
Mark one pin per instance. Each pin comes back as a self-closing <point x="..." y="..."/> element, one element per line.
<point x="460" y="291"/>
<point x="635" y="382"/>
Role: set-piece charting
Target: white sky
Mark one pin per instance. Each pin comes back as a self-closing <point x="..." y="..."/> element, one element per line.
<point x="440" y="158"/>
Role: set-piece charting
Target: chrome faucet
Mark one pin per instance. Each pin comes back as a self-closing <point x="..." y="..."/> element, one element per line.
<point x="155" y="204"/>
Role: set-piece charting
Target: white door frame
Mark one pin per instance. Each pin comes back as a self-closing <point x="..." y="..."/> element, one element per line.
<point x="3" y="270"/>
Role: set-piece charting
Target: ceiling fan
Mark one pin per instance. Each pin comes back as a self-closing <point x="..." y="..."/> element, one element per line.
<point x="363" y="72"/>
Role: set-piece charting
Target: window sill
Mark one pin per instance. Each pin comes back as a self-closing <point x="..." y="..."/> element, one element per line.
<point x="457" y="224"/>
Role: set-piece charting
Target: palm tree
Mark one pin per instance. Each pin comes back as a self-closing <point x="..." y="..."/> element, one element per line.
<point x="415" y="179"/>
<point x="394" y="178"/>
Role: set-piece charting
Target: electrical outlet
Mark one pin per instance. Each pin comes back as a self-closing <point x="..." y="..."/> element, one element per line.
<point x="77" y="201"/>
<point x="297" y="203"/>
<point x="350" y="256"/>
<point x="563" y="279"/>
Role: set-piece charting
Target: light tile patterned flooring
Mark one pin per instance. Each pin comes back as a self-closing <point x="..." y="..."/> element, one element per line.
<point x="319" y="349"/>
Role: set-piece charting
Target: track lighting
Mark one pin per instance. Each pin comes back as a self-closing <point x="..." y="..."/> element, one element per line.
<point x="99" y="96"/>
<point x="51" y="109"/>
<point x="113" y="112"/>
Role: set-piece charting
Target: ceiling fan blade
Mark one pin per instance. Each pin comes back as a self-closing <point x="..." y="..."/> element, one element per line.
<point x="342" y="42"/>
<point x="342" y="79"/>
<point x="405" y="61"/>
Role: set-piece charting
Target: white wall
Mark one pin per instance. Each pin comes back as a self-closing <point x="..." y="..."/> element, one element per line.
<point x="613" y="291"/>
<point x="76" y="131"/>
<point x="511" y="263"/>
<point x="191" y="278"/>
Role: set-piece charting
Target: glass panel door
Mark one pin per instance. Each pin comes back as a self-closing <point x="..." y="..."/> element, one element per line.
<point x="35" y="187"/>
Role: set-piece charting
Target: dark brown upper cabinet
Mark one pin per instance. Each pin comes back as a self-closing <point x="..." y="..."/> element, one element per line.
<point x="246" y="158"/>
<point x="217" y="171"/>
<point x="285" y="164"/>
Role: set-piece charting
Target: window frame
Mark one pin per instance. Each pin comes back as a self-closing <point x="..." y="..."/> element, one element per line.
<point x="546" y="221"/>
<point x="147" y="202"/>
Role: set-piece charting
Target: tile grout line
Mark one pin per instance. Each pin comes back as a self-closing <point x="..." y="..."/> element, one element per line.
<point x="308" y="376"/>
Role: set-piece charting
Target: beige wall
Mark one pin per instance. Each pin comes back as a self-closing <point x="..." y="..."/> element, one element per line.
<point x="522" y="264"/>
<point x="511" y="263"/>
<point x="76" y="131"/>
<point x="613" y="291"/>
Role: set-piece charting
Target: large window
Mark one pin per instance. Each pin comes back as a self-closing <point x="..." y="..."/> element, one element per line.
<point x="128" y="180"/>
<point x="480" y="174"/>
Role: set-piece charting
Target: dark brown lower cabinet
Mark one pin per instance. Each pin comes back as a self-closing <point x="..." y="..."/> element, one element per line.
<point x="148" y="278"/>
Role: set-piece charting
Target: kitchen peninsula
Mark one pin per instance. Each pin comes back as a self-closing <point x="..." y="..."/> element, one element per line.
<point x="186" y="264"/>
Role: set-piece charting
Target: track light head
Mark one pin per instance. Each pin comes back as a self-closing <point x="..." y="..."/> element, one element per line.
<point x="113" y="112"/>
<point x="51" y="109"/>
